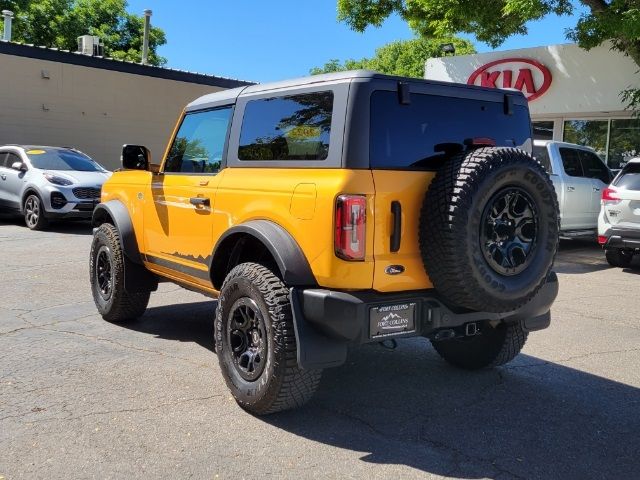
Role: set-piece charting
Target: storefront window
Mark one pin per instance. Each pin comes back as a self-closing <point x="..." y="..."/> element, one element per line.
<point x="591" y="133"/>
<point x="543" y="130"/>
<point x="624" y="142"/>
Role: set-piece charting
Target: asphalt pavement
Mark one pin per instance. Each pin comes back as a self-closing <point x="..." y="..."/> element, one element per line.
<point x="84" y="398"/>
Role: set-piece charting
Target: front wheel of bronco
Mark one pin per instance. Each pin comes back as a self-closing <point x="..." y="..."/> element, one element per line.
<point x="492" y="347"/>
<point x="256" y="343"/>
<point x="107" y="264"/>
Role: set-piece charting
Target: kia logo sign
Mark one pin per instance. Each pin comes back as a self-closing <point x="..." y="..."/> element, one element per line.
<point x="529" y="76"/>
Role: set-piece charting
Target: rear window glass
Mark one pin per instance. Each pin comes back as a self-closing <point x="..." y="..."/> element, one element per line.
<point x="295" y="127"/>
<point x="417" y="135"/>
<point x="542" y="155"/>
<point x="629" y="179"/>
<point x="59" y="159"/>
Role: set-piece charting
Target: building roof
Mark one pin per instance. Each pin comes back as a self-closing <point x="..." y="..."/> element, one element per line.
<point x="104" y="63"/>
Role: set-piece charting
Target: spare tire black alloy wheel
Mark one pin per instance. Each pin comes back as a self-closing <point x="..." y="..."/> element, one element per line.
<point x="247" y="338"/>
<point x="489" y="229"/>
<point x="509" y="231"/>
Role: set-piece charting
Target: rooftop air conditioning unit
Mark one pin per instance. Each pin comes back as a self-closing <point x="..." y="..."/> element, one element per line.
<point x="90" y="45"/>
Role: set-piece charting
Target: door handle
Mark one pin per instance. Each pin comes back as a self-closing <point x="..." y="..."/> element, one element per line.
<point x="200" y="201"/>
<point x="571" y="189"/>
<point x="596" y="189"/>
<point x="3" y="176"/>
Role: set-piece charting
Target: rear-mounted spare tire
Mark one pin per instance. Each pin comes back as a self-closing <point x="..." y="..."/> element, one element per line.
<point x="489" y="229"/>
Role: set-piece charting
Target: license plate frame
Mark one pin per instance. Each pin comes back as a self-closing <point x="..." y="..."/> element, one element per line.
<point x="392" y="319"/>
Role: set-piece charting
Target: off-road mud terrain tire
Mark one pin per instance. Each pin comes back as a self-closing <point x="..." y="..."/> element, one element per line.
<point x="281" y="384"/>
<point x="454" y="214"/>
<point x="617" y="257"/>
<point x="492" y="348"/>
<point x="114" y="303"/>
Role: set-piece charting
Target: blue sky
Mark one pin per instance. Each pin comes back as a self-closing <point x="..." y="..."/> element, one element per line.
<point x="270" y="40"/>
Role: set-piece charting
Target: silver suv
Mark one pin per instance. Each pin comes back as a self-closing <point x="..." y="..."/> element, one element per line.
<point x="45" y="183"/>
<point x="619" y="220"/>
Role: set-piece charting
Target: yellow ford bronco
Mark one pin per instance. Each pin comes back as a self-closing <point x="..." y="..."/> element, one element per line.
<point x="335" y="210"/>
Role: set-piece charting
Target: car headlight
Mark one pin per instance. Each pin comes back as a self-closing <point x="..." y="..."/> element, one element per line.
<point x="58" y="180"/>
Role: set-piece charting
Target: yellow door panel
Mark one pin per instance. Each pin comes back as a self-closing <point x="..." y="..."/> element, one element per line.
<point x="268" y="193"/>
<point x="178" y="223"/>
<point x="408" y="188"/>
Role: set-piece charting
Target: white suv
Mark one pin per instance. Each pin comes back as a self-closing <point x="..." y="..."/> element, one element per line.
<point x="619" y="219"/>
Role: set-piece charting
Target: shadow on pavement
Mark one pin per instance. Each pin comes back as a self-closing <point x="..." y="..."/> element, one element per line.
<point x="530" y="419"/>
<point x="185" y="322"/>
<point x="577" y="256"/>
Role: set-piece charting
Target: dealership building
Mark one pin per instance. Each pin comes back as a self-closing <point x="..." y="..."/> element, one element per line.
<point x="574" y="95"/>
<point x="95" y="104"/>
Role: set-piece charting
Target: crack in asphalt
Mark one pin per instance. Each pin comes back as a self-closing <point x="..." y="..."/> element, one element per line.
<point x="127" y="346"/>
<point x="455" y="452"/>
<point x="109" y="412"/>
<point x="568" y="359"/>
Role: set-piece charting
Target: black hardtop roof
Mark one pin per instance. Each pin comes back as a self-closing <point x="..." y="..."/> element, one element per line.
<point x="326" y="79"/>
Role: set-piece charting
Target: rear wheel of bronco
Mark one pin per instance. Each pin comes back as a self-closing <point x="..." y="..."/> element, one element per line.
<point x="619" y="258"/>
<point x="256" y="343"/>
<point x="492" y="347"/>
<point x="107" y="264"/>
<point x="489" y="229"/>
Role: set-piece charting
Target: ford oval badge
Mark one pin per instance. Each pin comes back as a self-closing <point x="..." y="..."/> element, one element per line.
<point x="394" y="270"/>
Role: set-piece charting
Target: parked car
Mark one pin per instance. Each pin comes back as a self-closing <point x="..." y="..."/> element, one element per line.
<point x="46" y="183"/>
<point x="619" y="219"/>
<point x="579" y="176"/>
<point x="339" y="209"/>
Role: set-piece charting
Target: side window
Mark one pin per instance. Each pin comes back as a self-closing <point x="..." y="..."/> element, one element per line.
<point x="3" y="159"/>
<point x="571" y="162"/>
<point x="542" y="155"/>
<point x="593" y="166"/>
<point x="295" y="127"/>
<point x="199" y="143"/>
<point x="11" y="159"/>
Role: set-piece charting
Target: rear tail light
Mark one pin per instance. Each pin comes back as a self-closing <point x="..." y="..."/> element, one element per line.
<point x="350" y="227"/>
<point x="602" y="239"/>
<point x="610" y="195"/>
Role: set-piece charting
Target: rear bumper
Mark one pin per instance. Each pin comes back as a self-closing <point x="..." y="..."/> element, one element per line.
<point x="327" y="321"/>
<point x="622" y="238"/>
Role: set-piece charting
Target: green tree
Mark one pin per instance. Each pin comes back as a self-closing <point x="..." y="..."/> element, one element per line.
<point x="405" y="58"/>
<point x="617" y="21"/>
<point x="58" y="23"/>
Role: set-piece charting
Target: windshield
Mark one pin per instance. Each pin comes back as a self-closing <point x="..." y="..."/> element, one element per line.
<point x="58" y="159"/>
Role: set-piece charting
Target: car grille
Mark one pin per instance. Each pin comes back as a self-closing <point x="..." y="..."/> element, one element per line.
<point x="86" y="193"/>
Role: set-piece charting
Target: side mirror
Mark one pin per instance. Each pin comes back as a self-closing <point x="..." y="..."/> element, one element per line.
<point x="135" y="157"/>
<point x="21" y="167"/>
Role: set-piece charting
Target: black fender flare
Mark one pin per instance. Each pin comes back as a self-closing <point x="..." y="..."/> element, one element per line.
<point x="118" y="213"/>
<point x="291" y="261"/>
<point x="136" y="277"/>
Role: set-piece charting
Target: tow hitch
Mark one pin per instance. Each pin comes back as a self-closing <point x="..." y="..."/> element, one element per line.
<point x="470" y="329"/>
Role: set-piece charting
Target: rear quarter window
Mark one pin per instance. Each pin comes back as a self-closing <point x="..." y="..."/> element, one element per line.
<point x="629" y="178"/>
<point x="295" y="127"/>
<point x="416" y="135"/>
